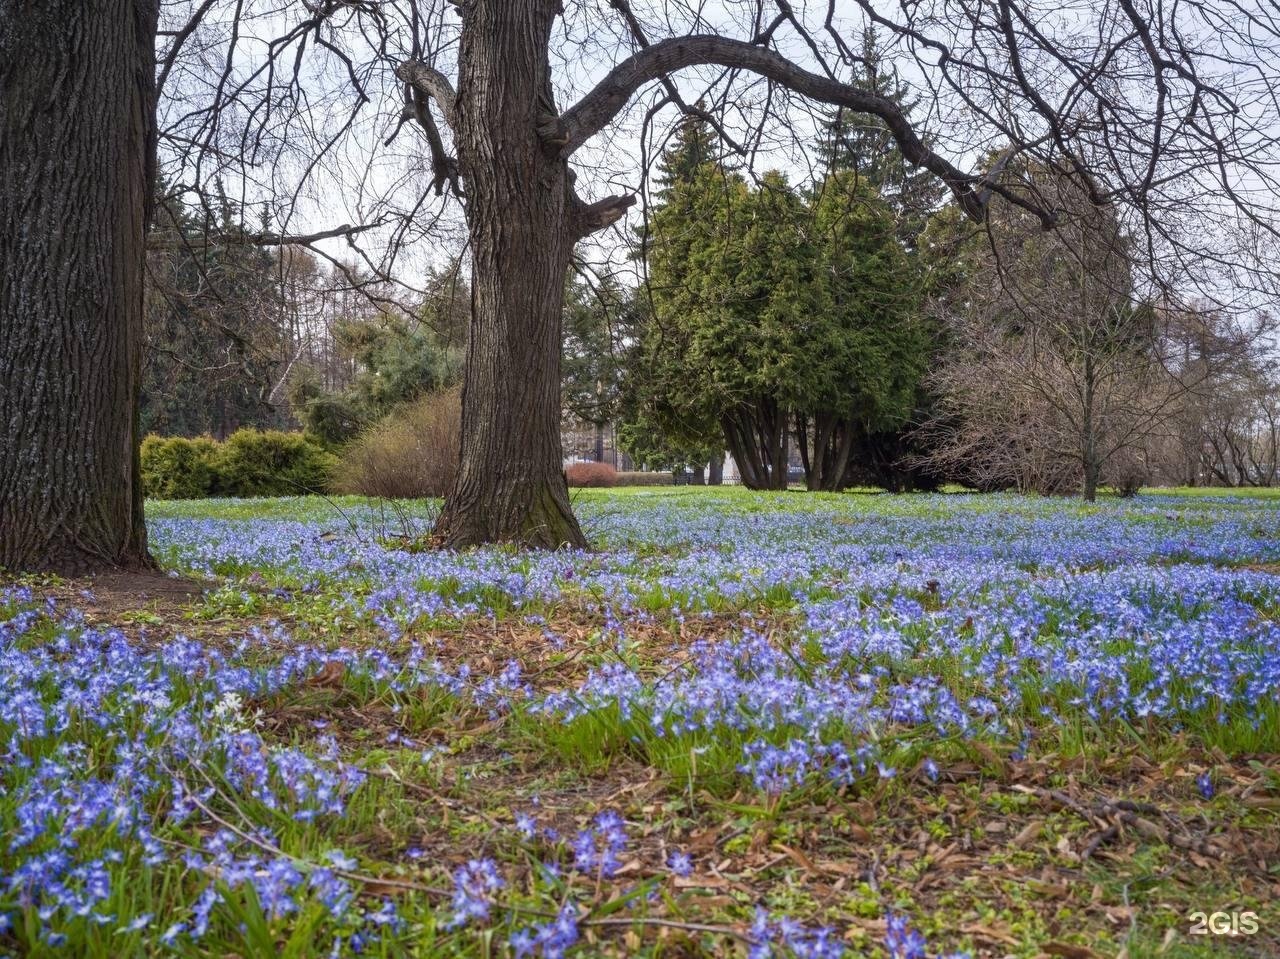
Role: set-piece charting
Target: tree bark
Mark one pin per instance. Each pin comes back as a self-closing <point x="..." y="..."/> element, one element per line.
<point x="510" y="485"/>
<point x="842" y="447"/>
<point x="1090" y="461"/>
<point x="715" y="470"/>
<point x="739" y="435"/>
<point x="76" y="157"/>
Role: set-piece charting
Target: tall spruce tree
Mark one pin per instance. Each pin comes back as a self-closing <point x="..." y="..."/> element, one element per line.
<point x="778" y="315"/>
<point x="215" y="344"/>
<point x="667" y="419"/>
<point x="875" y="451"/>
<point x="876" y="345"/>
<point x="863" y="145"/>
<point x="597" y="322"/>
<point x="763" y="329"/>
<point x="793" y="314"/>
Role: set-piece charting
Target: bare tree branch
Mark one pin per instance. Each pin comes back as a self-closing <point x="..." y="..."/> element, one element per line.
<point x="430" y="82"/>
<point x="595" y="110"/>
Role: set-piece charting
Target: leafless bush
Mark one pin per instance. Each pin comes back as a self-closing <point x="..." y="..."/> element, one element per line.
<point x="644" y="478"/>
<point x="591" y="474"/>
<point x="1062" y="374"/>
<point x="410" y="454"/>
<point x="1228" y="433"/>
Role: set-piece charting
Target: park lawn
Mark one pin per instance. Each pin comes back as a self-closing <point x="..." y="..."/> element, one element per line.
<point x="807" y="723"/>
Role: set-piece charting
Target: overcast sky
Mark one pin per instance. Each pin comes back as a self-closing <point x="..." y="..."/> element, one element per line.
<point x="361" y="179"/>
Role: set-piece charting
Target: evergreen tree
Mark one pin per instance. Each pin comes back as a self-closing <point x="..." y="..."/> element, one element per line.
<point x="693" y="147"/>
<point x="214" y="343"/>
<point x="397" y="360"/>
<point x="667" y="420"/>
<point x="595" y="323"/>
<point x="762" y="329"/>
<point x="862" y="144"/>
<point x="876" y="343"/>
<point x="779" y="317"/>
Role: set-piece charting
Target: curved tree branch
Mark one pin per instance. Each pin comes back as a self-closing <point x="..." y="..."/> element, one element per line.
<point x="595" y="110"/>
<point x="266" y="238"/>
<point x="431" y="82"/>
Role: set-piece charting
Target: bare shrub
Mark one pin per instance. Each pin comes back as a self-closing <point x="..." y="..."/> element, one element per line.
<point x="411" y="453"/>
<point x="644" y="478"/>
<point x="591" y="474"/>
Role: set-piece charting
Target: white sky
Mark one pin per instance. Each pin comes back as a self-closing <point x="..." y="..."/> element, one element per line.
<point x="363" y="180"/>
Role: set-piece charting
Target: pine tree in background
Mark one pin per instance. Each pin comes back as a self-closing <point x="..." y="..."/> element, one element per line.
<point x="396" y="360"/>
<point x="780" y="318"/>
<point x="693" y="148"/>
<point x="666" y="418"/>
<point x="598" y="319"/>
<point x="863" y="145"/>
<point x="215" y="343"/>
<point x="876" y="348"/>
<point x="763" y="330"/>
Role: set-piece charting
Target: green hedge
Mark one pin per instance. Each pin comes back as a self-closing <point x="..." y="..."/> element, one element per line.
<point x="248" y="463"/>
<point x="178" y="468"/>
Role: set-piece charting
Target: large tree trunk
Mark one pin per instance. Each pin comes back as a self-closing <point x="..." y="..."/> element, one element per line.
<point x="76" y="148"/>
<point x="510" y="485"/>
<point x="739" y="436"/>
<point x="715" y="471"/>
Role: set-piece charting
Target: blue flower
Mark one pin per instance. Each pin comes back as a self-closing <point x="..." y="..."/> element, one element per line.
<point x="1204" y="782"/>
<point x="473" y="887"/>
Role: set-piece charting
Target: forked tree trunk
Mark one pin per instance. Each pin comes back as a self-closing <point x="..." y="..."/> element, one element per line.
<point x="510" y="485"/>
<point x="76" y="141"/>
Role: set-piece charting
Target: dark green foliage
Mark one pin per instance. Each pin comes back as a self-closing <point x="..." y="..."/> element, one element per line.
<point x="654" y="448"/>
<point x="875" y="341"/>
<point x="862" y="145"/>
<point x="215" y="346"/>
<point x="596" y="322"/>
<point x="775" y="313"/>
<point x="666" y="421"/>
<point x="249" y="463"/>
<point x="331" y="419"/>
<point x="876" y="392"/>
<point x="398" y="360"/>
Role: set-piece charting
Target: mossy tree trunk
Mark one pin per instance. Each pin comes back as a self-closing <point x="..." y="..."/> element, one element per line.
<point x="510" y="485"/>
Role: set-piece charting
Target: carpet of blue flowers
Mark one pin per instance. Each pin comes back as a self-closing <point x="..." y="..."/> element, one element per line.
<point x="745" y="725"/>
